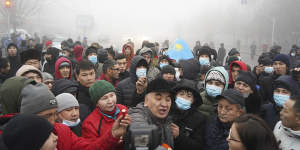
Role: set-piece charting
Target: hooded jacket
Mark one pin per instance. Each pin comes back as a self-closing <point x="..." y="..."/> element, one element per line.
<point x="64" y="86"/>
<point x="243" y="67"/>
<point x="28" y="68"/>
<point x="57" y="64"/>
<point x="289" y="139"/>
<point x="209" y="105"/>
<point x="49" y="66"/>
<point x="128" y="59"/>
<point x="152" y="72"/>
<point x="126" y="88"/>
<point x="78" y="53"/>
<point x="191" y="122"/>
<point x="15" y="61"/>
<point x="97" y="125"/>
<point x="191" y="69"/>
<point x="10" y="92"/>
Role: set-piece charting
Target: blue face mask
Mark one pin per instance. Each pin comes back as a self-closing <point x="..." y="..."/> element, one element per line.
<point x="213" y="90"/>
<point x="204" y="61"/>
<point x="93" y="59"/>
<point x="280" y="99"/>
<point x="161" y="65"/>
<point x="183" y="104"/>
<point x="141" y="73"/>
<point x="269" y="69"/>
<point x="71" y="123"/>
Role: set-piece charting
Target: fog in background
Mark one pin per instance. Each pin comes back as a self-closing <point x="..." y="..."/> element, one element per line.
<point x="112" y="22"/>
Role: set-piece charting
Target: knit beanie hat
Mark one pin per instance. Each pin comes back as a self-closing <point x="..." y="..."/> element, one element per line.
<point x="37" y="98"/>
<point x="283" y="58"/>
<point x="47" y="76"/>
<point x="26" y="132"/>
<point x="168" y="69"/>
<point x="215" y="75"/>
<point x="266" y="61"/>
<point x="99" y="89"/>
<point x="65" y="101"/>
<point x="248" y="78"/>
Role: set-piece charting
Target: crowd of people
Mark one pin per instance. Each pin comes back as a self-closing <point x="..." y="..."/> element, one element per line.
<point x="86" y="97"/>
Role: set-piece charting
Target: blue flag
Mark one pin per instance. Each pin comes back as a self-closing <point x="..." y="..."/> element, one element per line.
<point x="179" y="50"/>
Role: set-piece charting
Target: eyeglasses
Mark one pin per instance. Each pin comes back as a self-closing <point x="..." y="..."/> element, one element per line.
<point x="232" y="139"/>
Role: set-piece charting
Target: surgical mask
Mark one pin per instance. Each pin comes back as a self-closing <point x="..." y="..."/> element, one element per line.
<point x="204" y="61"/>
<point x="213" y="90"/>
<point x="93" y="59"/>
<point x="280" y="99"/>
<point x="161" y="65"/>
<point x="71" y="123"/>
<point x="141" y="73"/>
<point x="269" y="69"/>
<point x="183" y="104"/>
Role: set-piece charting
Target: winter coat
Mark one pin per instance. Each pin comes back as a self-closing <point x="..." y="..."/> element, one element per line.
<point x="49" y="66"/>
<point x="76" y="130"/>
<point x="289" y="139"/>
<point x="215" y="134"/>
<point x="10" y="92"/>
<point x="123" y="75"/>
<point x="221" y="56"/>
<point x="243" y="67"/>
<point x="266" y="87"/>
<point x="141" y="115"/>
<point x="126" y="88"/>
<point x="67" y="140"/>
<point x="152" y="73"/>
<point x="98" y="125"/>
<point x="103" y="77"/>
<point x="253" y="103"/>
<point x="64" y="86"/>
<point x="85" y="103"/>
<point x="57" y="64"/>
<point x="3" y="77"/>
<point x="191" y="123"/>
<point x="128" y="59"/>
<point x="271" y="114"/>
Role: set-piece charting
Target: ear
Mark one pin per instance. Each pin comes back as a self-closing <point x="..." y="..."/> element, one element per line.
<point x="297" y="118"/>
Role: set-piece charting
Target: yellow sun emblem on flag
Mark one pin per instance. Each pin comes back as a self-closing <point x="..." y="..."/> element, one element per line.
<point x="178" y="47"/>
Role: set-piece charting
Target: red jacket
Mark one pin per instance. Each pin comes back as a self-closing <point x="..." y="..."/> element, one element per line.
<point x="91" y="127"/>
<point x="242" y="65"/>
<point x="57" y="63"/>
<point x="103" y="77"/>
<point x="78" y="53"/>
<point x="67" y="140"/>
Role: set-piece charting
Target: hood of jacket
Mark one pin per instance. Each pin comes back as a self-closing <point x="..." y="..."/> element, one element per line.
<point x="26" y="68"/>
<point x="191" y="68"/>
<point x="133" y="64"/>
<point x="78" y="53"/>
<point x="223" y="72"/>
<point x="242" y="65"/>
<point x="57" y="64"/>
<point x="64" y="86"/>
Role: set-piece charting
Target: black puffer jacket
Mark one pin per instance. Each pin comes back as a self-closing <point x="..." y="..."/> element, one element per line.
<point x="191" y="69"/>
<point x="125" y="90"/>
<point x="64" y="86"/>
<point x="191" y="122"/>
<point x="85" y="103"/>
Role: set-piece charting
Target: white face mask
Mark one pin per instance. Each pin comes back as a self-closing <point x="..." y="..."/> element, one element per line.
<point x="141" y="73"/>
<point x="71" y="123"/>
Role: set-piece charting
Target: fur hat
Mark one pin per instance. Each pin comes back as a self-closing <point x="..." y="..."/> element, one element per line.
<point x="30" y="54"/>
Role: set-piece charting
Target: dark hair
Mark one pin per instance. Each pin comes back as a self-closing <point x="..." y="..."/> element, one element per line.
<point x="84" y="65"/>
<point x="120" y="56"/>
<point x="108" y="64"/>
<point x="296" y="106"/>
<point x="111" y="51"/>
<point x="235" y="65"/>
<point x="255" y="134"/>
<point x="3" y="63"/>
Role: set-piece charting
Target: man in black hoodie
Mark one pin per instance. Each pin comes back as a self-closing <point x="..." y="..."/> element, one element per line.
<point x="126" y="89"/>
<point x="51" y="56"/>
<point x="14" y="59"/>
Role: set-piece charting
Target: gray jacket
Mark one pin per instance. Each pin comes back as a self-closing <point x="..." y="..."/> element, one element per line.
<point x="142" y="115"/>
<point x="289" y="139"/>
